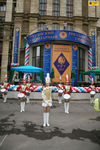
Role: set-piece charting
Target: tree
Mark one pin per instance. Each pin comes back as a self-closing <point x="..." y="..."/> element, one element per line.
<point x="52" y="75"/>
<point x="42" y="76"/>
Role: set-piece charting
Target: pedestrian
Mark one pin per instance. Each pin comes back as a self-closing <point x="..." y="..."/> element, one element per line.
<point x="47" y="101"/>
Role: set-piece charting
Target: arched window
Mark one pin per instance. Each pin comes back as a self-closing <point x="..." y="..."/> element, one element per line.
<point x="81" y="60"/>
<point x="37" y="59"/>
<point x="42" y="7"/>
<point x="56" y="27"/>
<point x="68" y="26"/>
<point x="14" y="5"/>
<point x="42" y="26"/>
<point x="56" y="8"/>
<point x="69" y="8"/>
<point x="2" y="6"/>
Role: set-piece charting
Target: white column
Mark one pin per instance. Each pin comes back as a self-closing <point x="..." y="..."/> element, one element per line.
<point x="20" y="6"/>
<point x="49" y="7"/>
<point x="91" y="11"/>
<point x="8" y="17"/>
<point x="33" y="25"/>
<point x="78" y="26"/>
<point x="34" y="6"/>
<point x="77" y="8"/>
<point x="5" y="51"/>
<point x="62" y="7"/>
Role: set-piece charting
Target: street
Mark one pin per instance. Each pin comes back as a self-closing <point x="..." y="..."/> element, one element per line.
<point x="78" y="130"/>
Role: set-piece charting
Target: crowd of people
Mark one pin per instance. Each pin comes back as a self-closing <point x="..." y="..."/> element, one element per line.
<point x="64" y="95"/>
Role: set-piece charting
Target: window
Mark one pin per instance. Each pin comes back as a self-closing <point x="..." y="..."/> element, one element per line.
<point x="69" y="8"/>
<point x="2" y="18"/>
<point x="81" y="66"/>
<point x="0" y="59"/>
<point x="43" y="6"/>
<point x="1" y="44"/>
<point x="37" y="58"/>
<point x="55" y="26"/>
<point x="0" y="47"/>
<point x="42" y="26"/>
<point x="2" y="6"/>
<point x="10" y="48"/>
<point x="14" y="6"/>
<point x="56" y="8"/>
<point x="68" y="26"/>
<point x="1" y="32"/>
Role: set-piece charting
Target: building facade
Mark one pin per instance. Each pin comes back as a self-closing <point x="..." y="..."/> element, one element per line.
<point x="30" y="17"/>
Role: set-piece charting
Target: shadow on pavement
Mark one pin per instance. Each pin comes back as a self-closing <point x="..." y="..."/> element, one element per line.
<point x="30" y="129"/>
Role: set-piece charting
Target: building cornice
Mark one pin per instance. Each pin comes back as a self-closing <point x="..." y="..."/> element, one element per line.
<point x="40" y="18"/>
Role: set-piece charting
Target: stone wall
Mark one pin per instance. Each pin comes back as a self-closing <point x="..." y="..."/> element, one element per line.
<point x="27" y="18"/>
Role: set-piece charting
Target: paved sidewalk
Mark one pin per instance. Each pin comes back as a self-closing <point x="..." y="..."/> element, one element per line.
<point x="78" y="130"/>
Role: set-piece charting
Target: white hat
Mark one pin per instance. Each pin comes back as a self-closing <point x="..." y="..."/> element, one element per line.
<point x="67" y="78"/>
<point x="60" y="78"/>
<point x="47" y="79"/>
<point x="6" y="78"/>
<point x="24" y="78"/>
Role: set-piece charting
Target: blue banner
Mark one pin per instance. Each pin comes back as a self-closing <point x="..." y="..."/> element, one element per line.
<point x="47" y="59"/>
<point x="56" y="35"/>
<point x="93" y="49"/>
<point x="75" y="62"/>
<point x="16" y="44"/>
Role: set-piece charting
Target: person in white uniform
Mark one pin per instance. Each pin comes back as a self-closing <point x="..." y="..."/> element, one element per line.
<point x="22" y="94"/>
<point x="92" y="92"/>
<point x="67" y="95"/>
<point x="60" y="91"/>
<point x="28" y="90"/>
<point x="4" y="89"/>
<point x="47" y="101"/>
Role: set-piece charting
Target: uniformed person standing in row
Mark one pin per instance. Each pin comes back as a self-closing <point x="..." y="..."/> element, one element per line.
<point x="47" y="101"/>
<point x="4" y="89"/>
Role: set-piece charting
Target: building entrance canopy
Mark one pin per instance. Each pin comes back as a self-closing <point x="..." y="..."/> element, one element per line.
<point x="27" y="69"/>
<point x="59" y="35"/>
<point x="61" y="57"/>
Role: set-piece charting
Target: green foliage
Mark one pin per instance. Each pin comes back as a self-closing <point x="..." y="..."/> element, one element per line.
<point x="52" y="75"/>
<point x="72" y="74"/>
<point x="42" y="76"/>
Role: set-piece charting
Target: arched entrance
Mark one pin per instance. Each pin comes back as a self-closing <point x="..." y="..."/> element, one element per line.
<point x="61" y="50"/>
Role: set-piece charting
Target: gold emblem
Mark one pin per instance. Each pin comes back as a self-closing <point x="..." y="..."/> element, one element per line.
<point x="93" y="3"/>
<point x="61" y="60"/>
<point x="63" y="35"/>
<point x="92" y="33"/>
<point x="47" y="46"/>
<point x="75" y="47"/>
<point x="17" y="29"/>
